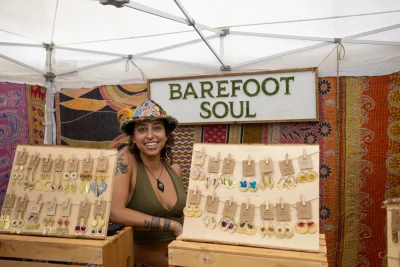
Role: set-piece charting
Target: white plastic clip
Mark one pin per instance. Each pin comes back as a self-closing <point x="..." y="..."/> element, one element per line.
<point x="287" y="159"/>
<point x="247" y="204"/>
<point x="230" y="200"/>
<point x="249" y="160"/>
<point x="281" y="201"/>
<point x="302" y="200"/>
<point x="304" y="154"/>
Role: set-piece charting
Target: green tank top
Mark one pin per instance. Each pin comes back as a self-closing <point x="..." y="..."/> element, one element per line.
<point x="145" y="200"/>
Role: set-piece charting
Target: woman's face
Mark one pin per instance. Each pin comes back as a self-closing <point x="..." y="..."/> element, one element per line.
<point x="150" y="137"/>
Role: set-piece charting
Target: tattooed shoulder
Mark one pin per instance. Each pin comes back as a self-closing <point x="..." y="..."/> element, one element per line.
<point x="122" y="165"/>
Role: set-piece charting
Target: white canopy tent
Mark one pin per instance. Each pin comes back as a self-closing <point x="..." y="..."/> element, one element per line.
<point x="82" y="43"/>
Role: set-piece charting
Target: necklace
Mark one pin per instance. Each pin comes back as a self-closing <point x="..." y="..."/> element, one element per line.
<point x="160" y="184"/>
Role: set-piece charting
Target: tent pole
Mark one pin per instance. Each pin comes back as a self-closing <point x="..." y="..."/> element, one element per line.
<point x="281" y="54"/>
<point x="371" y="42"/>
<point x="178" y="62"/>
<point x="21" y="64"/>
<point x="20" y="44"/>
<point x="280" y="36"/>
<point x="166" y="15"/>
<point x="49" y="136"/>
<point x="359" y="35"/>
<point x="193" y="24"/>
<point x="92" y="66"/>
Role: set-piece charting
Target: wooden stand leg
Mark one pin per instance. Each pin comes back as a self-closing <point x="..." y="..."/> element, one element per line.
<point x="119" y="254"/>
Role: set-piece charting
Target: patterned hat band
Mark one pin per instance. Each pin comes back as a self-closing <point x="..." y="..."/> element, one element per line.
<point x="147" y="111"/>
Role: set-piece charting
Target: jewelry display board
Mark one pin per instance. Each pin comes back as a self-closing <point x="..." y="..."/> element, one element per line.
<point x="254" y="195"/>
<point x="393" y="231"/>
<point x="59" y="191"/>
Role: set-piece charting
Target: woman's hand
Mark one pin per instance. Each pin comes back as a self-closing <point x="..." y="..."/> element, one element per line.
<point x="176" y="227"/>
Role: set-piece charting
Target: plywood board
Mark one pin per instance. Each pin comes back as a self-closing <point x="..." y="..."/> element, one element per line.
<point x="40" y="197"/>
<point x="194" y="229"/>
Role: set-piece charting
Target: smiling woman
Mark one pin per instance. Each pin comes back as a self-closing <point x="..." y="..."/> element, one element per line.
<point x="148" y="192"/>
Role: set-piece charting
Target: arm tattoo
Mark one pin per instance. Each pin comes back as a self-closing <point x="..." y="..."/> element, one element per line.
<point x="155" y="225"/>
<point x="167" y="225"/>
<point x="122" y="166"/>
<point x="146" y="224"/>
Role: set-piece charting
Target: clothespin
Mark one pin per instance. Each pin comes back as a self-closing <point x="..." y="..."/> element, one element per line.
<point x="217" y="157"/>
<point x="302" y="200"/>
<point x="202" y="151"/>
<point x="229" y="158"/>
<point x="23" y="198"/>
<point x="98" y="202"/>
<point x="48" y="157"/>
<point x="266" y="159"/>
<point x="213" y="196"/>
<point x="88" y="157"/>
<point x="54" y="202"/>
<point x="281" y="201"/>
<point x="287" y="159"/>
<point x="266" y="204"/>
<point x="23" y="151"/>
<point x="195" y="191"/>
<point x="72" y="158"/>
<point x="59" y="158"/>
<point x="84" y="203"/>
<point x="36" y="155"/>
<point x="230" y="200"/>
<point x="304" y="154"/>
<point x="66" y="203"/>
<point x="101" y="155"/>
<point x="247" y="204"/>
<point x="249" y="160"/>
<point x="38" y="198"/>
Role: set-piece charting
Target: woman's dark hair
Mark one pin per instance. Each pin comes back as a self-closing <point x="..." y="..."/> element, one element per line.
<point x="166" y="152"/>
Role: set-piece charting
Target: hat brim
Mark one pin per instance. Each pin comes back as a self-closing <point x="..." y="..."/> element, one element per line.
<point x="127" y="126"/>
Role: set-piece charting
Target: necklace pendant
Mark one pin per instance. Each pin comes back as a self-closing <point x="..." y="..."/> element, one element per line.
<point x="160" y="186"/>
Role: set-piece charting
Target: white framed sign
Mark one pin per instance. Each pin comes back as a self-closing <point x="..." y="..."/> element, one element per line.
<point x="251" y="97"/>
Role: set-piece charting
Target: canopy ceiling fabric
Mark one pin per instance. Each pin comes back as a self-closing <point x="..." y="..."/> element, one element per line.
<point x="264" y="35"/>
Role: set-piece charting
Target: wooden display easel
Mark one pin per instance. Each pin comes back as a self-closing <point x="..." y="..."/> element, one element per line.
<point x="114" y="251"/>
<point x="184" y="253"/>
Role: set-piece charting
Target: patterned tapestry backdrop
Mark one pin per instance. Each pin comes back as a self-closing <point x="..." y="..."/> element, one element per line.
<point x="22" y="110"/>
<point x="358" y="134"/>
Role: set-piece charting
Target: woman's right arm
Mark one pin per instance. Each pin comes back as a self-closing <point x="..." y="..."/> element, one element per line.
<point x="126" y="166"/>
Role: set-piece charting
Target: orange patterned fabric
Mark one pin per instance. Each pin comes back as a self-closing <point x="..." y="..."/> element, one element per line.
<point x="36" y="99"/>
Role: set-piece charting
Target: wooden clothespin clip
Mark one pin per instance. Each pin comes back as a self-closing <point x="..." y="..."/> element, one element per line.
<point x="266" y="204"/>
<point x="48" y="157"/>
<point x="23" y="151"/>
<point x="59" y="158"/>
<point x="229" y="157"/>
<point x="101" y="155"/>
<point x="287" y="159"/>
<point x="54" y="202"/>
<point x="247" y="204"/>
<point x="88" y="157"/>
<point x="230" y="200"/>
<point x="281" y="201"/>
<point x="98" y="201"/>
<point x="84" y="203"/>
<point x="217" y="157"/>
<point x="195" y="191"/>
<point x="213" y="196"/>
<point x="202" y="151"/>
<point x="249" y="160"/>
<point x="266" y="159"/>
<point x="66" y="203"/>
<point x="302" y="200"/>
<point x="38" y="198"/>
<point x="72" y="158"/>
<point x="23" y="198"/>
<point x="304" y="154"/>
<point x="36" y="155"/>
